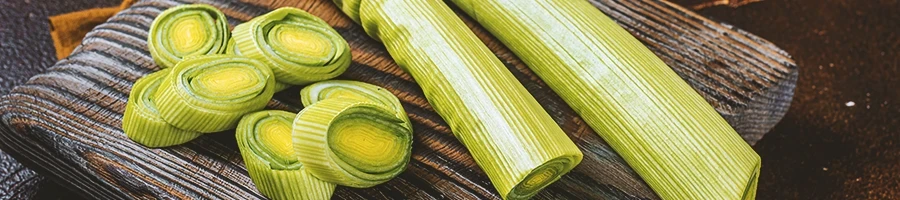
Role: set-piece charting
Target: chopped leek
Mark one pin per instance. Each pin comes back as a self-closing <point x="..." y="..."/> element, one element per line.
<point x="299" y="47"/>
<point x="352" y="89"/>
<point x="264" y="139"/>
<point x="665" y="131"/>
<point x="516" y="143"/>
<point x="142" y="123"/>
<point x="352" y="143"/>
<point x="210" y="93"/>
<point x="187" y="30"/>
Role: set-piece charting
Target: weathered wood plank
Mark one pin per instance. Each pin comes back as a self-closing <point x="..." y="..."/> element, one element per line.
<point x="67" y="121"/>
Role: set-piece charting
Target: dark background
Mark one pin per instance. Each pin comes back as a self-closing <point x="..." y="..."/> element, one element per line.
<point x="847" y="51"/>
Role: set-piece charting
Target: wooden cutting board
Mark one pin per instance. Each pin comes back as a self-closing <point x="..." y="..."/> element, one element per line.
<point x="65" y="123"/>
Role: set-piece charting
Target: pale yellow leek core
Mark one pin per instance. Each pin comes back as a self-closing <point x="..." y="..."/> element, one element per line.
<point x="210" y="93"/>
<point x="352" y="142"/>
<point x="187" y="30"/>
<point x="517" y="144"/>
<point x="659" y="125"/>
<point x="299" y="47"/>
<point x="142" y="123"/>
<point x="264" y="139"/>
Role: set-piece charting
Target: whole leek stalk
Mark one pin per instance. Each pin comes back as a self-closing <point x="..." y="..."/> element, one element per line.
<point x="187" y="30"/>
<point x="299" y="47"/>
<point x="264" y="139"/>
<point x="142" y="123"/>
<point x="511" y="137"/>
<point x="665" y="131"/>
<point x="210" y="93"/>
<point x="352" y="142"/>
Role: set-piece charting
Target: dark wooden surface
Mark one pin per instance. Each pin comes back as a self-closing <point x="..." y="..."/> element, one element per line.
<point x="67" y="119"/>
<point x="846" y="51"/>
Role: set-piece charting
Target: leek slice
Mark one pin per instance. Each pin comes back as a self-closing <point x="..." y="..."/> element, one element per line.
<point x="665" y="131"/>
<point x="187" y="30"/>
<point x="142" y="123"/>
<point x="299" y="47"/>
<point x="353" y="90"/>
<point x="352" y="143"/>
<point x="264" y="139"/>
<point x="520" y="148"/>
<point x="210" y="93"/>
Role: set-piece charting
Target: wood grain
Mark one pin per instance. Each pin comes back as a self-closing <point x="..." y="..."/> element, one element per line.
<point x="67" y="121"/>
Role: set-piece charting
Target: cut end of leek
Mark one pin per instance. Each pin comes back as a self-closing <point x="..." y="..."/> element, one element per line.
<point x="300" y="47"/>
<point x="142" y="123"/>
<point x="264" y="139"/>
<point x="541" y="177"/>
<point x="210" y="93"/>
<point x="352" y="143"/>
<point x="187" y="30"/>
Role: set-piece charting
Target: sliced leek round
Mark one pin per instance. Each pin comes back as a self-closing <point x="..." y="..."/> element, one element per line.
<point x="352" y="143"/>
<point x="299" y="47"/>
<point x="187" y="30"/>
<point x="352" y="90"/>
<point x="210" y="93"/>
<point x="264" y="139"/>
<point x="142" y="123"/>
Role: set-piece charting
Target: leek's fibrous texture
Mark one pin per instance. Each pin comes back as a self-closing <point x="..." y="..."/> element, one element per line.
<point x="299" y="47"/>
<point x="142" y="123"/>
<point x="210" y="93"/>
<point x="352" y="90"/>
<point x="264" y="139"/>
<point x="187" y="30"/>
<point x="511" y="137"/>
<point x="666" y="131"/>
<point x="351" y="142"/>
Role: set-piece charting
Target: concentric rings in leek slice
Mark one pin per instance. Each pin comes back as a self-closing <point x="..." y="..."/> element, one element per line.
<point x="299" y="47"/>
<point x="210" y="93"/>
<point x="187" y="30"/>
<point x="264" y="139"/>
<point x="352" y="90"/>
<point x="142" y="123"/>
<point x="352" y="143"/>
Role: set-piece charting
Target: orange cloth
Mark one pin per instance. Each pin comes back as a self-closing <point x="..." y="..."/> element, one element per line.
<point x="67" y="30"/>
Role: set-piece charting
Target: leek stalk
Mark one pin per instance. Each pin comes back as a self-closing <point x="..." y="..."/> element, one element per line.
<point x="511" y="137"/>
<point x="662" y="128"/>
<point x="352" y="89"/>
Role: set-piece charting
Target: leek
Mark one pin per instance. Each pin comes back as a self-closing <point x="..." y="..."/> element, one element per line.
<point x="142" y="123"/>
<point x="264" y="139"/>
<point x="352" y="143"/>
<point x="665" y="131"/>
<point x="187" y="30"/>
<point x="352" y="89"/>
<point x="299" y="47"/>
<point x="516" y="143"/>
<point x="210" y="93"/>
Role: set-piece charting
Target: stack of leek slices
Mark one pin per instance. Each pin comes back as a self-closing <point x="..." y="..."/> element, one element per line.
<point x="350" y="133"/>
